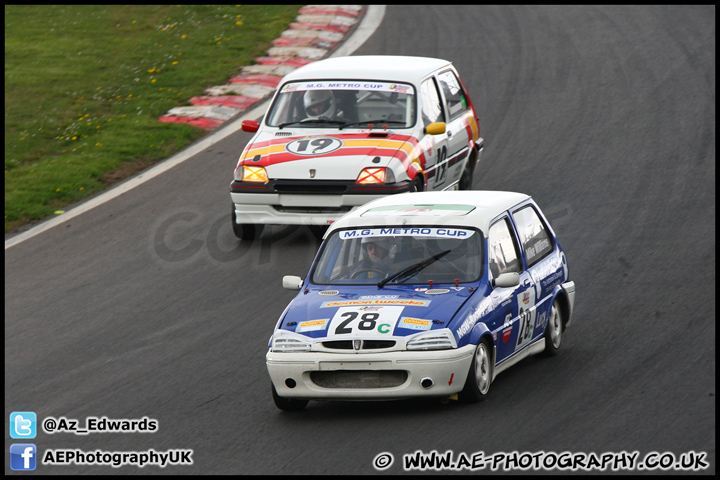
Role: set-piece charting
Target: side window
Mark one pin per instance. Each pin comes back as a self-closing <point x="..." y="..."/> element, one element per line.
<point x="503" y="254"/>
<point x="534" y="236"/>
<point x="457" y="103"/>
<point x="431" y="106"/>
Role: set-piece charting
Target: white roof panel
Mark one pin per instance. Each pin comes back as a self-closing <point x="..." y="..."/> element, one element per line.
<point x="473" y="208"/>
<point x="372" y="67"/>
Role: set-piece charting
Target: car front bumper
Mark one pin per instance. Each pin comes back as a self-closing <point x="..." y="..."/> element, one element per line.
<point x="288" y="209"/>
<point x="298" y="202"/>
<point x="374" y="376"/>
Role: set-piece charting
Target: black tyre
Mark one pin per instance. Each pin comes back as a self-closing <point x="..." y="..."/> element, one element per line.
<point x="467" y="176"/>
<point x="417" y="184"/>
<point x="553" y="331"/>
<point x="288" y="404"/>
<point x="479" y="377"/>
<point x="244" y="231"/>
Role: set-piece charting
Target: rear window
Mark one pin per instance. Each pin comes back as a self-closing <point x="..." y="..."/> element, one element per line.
<point x="534" y="236"/>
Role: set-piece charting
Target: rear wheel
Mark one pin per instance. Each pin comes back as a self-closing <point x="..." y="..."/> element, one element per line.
<point x="479" y="377"/>
<point x="553" y="331"/>
<point x="288" y="404"/>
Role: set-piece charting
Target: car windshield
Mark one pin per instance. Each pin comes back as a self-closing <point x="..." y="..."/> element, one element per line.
<point x="343" y="104"/>
<point x="386" y="256"/>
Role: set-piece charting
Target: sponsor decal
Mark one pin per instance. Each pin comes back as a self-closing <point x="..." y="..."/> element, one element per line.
<point x="389" y="301"/>
<point x="542" y="320"/>
<point x="422" y="289"/>
<point x="312" y="325"/>
<point x="506" y="334"/>
<point x="526" y="297"/>
<point x="395" y="87"/>
<point x="415" y="323"/>
<point x="482" y="309"/>
<point x="329" y="292"/>
<point x="552" y="278"/>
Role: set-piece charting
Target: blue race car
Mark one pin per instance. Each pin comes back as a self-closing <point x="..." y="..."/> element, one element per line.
<point x="422" y="294"/>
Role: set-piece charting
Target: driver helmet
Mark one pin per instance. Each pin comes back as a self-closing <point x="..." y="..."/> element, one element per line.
<point x="382" y="247"/>
<point x="319" y="103"/>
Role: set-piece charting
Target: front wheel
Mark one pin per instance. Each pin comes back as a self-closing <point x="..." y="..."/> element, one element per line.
<point x="417" y="184"/>
<point x="467" y="176"/>
<point x="288" y="404"/>
<point x="244" y="231"/>
<point x="479" y="377"/>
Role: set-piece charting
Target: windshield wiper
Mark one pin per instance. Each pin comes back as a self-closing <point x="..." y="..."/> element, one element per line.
<point x="314" y="120"/>
<point x="413" y="269"/>
<point x="373" y="122"/>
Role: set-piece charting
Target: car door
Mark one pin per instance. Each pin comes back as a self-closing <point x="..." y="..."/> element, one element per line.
<point x="516" y="303"/>
<point x="458" y="114"/>
<point x="432" y="111"/>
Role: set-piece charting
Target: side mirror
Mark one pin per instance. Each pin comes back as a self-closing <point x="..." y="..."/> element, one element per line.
<point x="436" y="128"/>
<point x="505" y="280"/>
<point x="291" y="282"/>
<point x="250" y="126"/>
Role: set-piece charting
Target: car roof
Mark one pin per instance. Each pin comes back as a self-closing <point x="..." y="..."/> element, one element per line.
<point x="375" y="67"/>
<point x="471" y="208"/>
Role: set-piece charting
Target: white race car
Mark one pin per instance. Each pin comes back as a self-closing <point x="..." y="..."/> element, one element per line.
<point x="344" y="131"/>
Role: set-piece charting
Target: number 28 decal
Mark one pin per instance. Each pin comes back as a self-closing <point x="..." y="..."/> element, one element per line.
<point x="365" y="322"/>
<point x="314" y="146"/>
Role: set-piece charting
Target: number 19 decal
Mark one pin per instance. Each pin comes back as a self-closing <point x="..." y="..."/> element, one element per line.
<point x="366" y="322"/>
<point x="314" y="146"/>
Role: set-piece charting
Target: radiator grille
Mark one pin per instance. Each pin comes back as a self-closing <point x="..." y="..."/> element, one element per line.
<point x="359" y="378"/>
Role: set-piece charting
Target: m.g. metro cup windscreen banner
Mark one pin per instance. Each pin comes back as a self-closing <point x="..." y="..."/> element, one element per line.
<point x="365" y="85"/>
<point x="431" y="232"/>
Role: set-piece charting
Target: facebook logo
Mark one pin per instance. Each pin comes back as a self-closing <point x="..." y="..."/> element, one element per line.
<point x="23" y="425"/>
<point x="23" y="456"/>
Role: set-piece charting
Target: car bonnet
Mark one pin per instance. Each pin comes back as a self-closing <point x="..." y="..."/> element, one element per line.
<point x="400" y="310"/>
<point x="336" y="156"/>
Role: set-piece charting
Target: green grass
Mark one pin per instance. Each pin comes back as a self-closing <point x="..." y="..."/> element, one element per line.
<point x="84" y="86"/>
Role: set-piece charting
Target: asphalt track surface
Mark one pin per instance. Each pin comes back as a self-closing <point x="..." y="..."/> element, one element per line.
<point x="148" y="306"/>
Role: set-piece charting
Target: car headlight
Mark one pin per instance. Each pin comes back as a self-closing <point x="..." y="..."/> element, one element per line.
<point x="284" y="341"/>
<point x="375" y="175"/>
<point x="254" y="174"/>
<point x="432" y="340"/>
